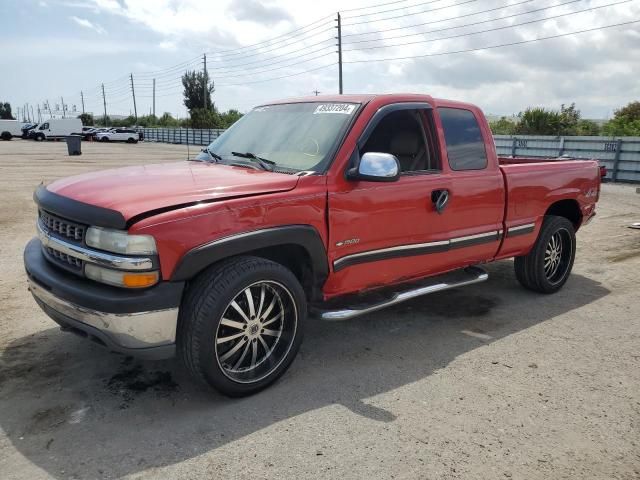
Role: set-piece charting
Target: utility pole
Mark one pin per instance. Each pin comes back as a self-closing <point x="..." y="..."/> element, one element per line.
<point x="82" y="98"/>
<point x="39" y="115"/>
<point x="316" y="92"/>
<point x="33" y="117"/>
<point x="133" y="92"/>
<point x="64" y="111"/>
<point x="154" y="97"/>
<point x="25" y="113"/>
<point x="205" y="82"/>
<point x="104" y="101"/>
<point x="339" y="37"/>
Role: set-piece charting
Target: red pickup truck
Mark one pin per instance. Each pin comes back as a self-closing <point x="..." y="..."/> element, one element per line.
<point x="336" y="205"/>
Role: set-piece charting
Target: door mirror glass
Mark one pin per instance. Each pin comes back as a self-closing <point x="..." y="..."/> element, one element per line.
<point x="376" y="167"/>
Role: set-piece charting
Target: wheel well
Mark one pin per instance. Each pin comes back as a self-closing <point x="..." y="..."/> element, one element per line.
<point x="295" y="258"/>
<point x="568" y="209"/>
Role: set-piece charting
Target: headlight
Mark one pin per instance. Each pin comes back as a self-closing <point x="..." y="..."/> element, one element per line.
<point x="119" y="278"/>
<point x="118" y="241"/>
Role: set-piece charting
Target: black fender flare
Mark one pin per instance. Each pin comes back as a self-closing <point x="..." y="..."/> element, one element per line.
<point x="306" y="236"/>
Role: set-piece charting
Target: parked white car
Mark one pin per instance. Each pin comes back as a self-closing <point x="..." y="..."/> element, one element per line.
<point x="57" y="128"/>
<point x="10" y="129"/>
<point x="118" y="135"/>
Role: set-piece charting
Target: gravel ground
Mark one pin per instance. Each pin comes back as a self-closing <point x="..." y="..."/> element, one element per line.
<point x="490" y="381"/>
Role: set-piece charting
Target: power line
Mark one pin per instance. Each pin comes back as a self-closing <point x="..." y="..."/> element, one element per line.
<point x="429" y="10"/>
<point x="278" y="78"/>
<point x="394" y="9"/>
<point x="372" y="6"/>
<point x="490" y="47"/>
<point x="221" y="57"/>
<point x="371" y="32"/>
<point x="466" y="24"/>
<point x="271" y="58"/>
<point x="291" y="34"/>
<point x="491" y="29"/>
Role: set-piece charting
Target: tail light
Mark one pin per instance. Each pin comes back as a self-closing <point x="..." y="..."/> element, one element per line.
<point x="603" y="171"/>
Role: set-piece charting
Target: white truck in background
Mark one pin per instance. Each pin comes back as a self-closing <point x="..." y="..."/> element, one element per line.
<point x="10" y="129"/>
<point x="57" y="128"/>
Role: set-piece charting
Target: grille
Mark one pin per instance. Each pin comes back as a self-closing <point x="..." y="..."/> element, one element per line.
<point x="60" y="226"/>
<point x="64" y="259"/>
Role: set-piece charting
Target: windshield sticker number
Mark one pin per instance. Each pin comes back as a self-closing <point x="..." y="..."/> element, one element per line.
<point x="345" y="108"/>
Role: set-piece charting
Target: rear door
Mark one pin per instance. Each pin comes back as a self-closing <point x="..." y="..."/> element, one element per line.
<point x="475" y="209"/>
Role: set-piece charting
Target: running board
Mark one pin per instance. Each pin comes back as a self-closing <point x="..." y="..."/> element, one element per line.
<point x="359" y="305"/>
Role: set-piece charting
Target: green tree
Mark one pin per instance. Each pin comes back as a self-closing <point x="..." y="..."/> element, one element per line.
<point x="569" y="118"/>
<point x="5" y="111"/>
<point x="631" y="112"/>
<point x="86" y="118"/>
<point x="622" y="127"/>
<point x="166" y="120"/>
<point x="194" y="85"/>
<point x="229" y="117"/>
<point x="201" y="118"/>
<point x="503" y="126"/>
<point x="102" y="121"/>
<point x="626" y="121"/>
<point x="587" y="127"/>
<point x="538" y="121"/>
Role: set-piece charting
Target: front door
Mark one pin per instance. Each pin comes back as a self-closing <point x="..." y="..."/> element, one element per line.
<point x="382" y="233"/>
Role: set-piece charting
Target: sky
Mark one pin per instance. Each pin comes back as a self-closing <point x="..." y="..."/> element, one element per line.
<point x="258" y="51"/>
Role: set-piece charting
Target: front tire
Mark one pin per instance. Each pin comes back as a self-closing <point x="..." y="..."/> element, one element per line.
<point x="547" y="266"/>
<point x="241" y="325"/>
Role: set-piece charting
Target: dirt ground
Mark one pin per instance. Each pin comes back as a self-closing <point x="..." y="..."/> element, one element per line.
<point x="486" y="382"/>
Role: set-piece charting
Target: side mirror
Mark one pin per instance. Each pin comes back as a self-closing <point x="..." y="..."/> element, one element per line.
<point x="376" y="167"/>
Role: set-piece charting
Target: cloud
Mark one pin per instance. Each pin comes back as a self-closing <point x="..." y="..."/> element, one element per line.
<point x="256" y="11"/>
<point x="83" y="22"/>
<point x="248" y="41"/>
<point x="167" y="45"/>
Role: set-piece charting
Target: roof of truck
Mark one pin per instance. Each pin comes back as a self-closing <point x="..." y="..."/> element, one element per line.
<point x="366" y="98"/>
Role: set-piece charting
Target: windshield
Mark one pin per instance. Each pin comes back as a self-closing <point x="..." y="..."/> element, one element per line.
<point x="298" y="136"/>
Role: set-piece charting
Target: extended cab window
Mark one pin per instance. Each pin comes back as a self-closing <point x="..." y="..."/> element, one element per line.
<point x="402" y="133"/>
<point x="465" y="145"/>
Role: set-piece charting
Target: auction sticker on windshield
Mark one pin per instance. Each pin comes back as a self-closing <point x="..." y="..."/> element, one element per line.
<point x="346" y="108"/>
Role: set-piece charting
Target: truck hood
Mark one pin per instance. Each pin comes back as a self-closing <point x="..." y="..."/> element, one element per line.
<point x="136" y="190"/>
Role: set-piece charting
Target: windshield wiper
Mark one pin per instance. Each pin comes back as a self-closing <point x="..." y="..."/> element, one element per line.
<point x="212" y="154"/>
<point x="263" y="162"/>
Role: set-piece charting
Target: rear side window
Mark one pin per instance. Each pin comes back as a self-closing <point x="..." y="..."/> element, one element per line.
<point x="465" y="145"/>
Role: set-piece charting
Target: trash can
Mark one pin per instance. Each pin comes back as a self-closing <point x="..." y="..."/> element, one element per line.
<point x="73" y="144"/>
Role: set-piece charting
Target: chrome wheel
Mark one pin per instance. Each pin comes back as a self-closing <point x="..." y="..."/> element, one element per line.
<point x="256" y="331"/>
<point x="557" y="256"/>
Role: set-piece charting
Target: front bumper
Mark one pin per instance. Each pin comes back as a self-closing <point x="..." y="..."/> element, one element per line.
<point x="134" y="322"/>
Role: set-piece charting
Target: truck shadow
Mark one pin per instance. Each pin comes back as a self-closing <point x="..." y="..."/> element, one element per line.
<point x="77" y="411"/>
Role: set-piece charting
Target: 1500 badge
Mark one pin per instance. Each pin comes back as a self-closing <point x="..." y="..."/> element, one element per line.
<point x="351" y="241"/>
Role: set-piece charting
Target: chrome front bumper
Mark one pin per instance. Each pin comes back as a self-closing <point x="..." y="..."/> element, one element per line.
<point x="128" y="331"/>
<point x="138" y="322"/>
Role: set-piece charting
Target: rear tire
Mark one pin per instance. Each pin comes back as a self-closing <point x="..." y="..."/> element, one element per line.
<point x="241" y="325"/>
<point x="6" y="136"/>
<point x="547" y="266"/>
